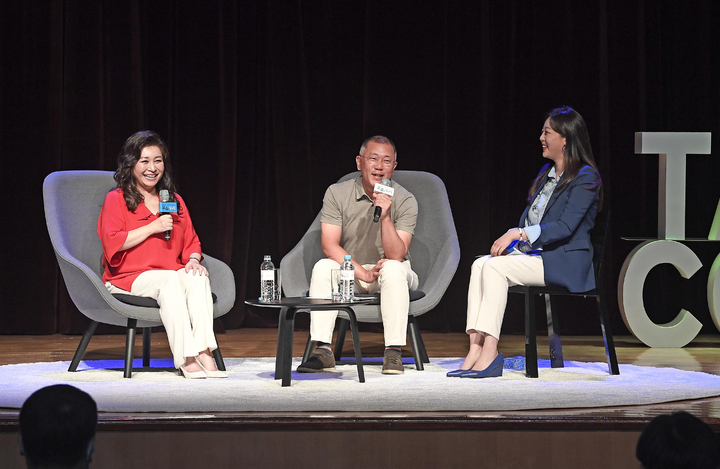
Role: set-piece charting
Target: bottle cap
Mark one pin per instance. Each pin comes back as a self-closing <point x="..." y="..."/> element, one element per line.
<point x="348" y="257"/>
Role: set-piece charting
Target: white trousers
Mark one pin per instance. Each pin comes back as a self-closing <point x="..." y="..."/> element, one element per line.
<point x="394" y="284"/>
<point x="186" y="309"/>
<point x="490" y="278"/>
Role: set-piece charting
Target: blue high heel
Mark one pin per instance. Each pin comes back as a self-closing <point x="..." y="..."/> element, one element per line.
<point x="456" y="373"/>
<point x="493" y="370"/>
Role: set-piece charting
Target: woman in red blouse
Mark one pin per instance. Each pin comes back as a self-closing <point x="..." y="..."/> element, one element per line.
<point x="139" y="260"/>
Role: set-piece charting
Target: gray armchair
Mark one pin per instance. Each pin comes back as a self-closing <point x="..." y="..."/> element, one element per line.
<point x="434" y="249"/>
<point x="73" y="200"/>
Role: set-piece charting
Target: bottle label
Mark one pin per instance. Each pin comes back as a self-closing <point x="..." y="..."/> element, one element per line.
<point x="267" y="275"/>
<point x="347" y="275"/>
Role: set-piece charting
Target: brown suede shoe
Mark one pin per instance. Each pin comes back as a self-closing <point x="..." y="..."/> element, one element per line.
<point x="318" y="361"/>
<point x="392" y="363"/>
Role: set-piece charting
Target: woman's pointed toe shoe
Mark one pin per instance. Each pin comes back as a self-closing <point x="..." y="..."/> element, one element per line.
<point x="191" y="374"/>
<point x="494" y="370"/>
<point x="212" y="373"/>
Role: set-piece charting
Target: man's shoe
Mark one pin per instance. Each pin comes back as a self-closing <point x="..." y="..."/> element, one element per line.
<point x="392" y="363"/>
<point x="319" y="361"/>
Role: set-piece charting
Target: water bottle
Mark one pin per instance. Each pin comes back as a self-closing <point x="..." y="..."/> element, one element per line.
<point x="267" y="280"/>
<point x="347" y="280"/>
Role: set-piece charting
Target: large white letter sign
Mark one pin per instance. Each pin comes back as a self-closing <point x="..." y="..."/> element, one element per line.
<point x="673" y="148"/>
<point x="681" y="330"/>
<point x="713" y="292"/>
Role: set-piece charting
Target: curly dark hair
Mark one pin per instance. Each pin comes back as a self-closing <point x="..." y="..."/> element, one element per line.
<point x="128" y="158"/>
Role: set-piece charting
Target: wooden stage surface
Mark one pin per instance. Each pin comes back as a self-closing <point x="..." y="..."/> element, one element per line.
<point x="703" y="354"/>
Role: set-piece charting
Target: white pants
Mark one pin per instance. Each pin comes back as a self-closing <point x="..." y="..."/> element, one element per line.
<point x="394" y="284"/>
<point x="490" y="278"/>
<point x="186" y="309"/>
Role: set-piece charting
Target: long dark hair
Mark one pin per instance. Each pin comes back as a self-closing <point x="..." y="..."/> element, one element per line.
<point x="128" y="158"/>
<point x="577" y="151"/>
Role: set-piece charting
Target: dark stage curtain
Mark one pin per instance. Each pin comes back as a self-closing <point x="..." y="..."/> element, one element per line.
<point x="264" y="103"/>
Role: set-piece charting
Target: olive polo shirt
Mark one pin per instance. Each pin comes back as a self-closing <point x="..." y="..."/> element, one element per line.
<point x="347" y="205"/>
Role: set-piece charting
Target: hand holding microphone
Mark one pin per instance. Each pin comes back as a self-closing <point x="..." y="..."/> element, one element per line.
<point x="166" y="208"/>
<point x="382" y="187"/>
<point x="163" y="223"/>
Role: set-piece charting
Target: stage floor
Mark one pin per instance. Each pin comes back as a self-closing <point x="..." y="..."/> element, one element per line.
<point x="618" y="423"/>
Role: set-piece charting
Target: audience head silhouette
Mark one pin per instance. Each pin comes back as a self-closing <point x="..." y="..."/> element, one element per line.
<point x="57" y="428"/>
<point x="678" y="440"/>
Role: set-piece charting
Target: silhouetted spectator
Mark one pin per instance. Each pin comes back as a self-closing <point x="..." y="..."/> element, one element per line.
<point x="57" y="428"/>
<point x="678" y="440"/>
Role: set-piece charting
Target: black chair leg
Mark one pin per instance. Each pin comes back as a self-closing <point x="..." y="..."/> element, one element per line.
<point x="83" y="345"/>
<point x="340" y="341"/>
<point x="423" y="351"/>
<point x="556" y="355"/>
<point x="130" y="347"/>
<point x="308" y="349"/>
<point x="146" y="332"/>
<point x="413" y="332"/>
<point x="612" y="361"/>
<point x="531" y="365"/>
<point x="219" y="362"/>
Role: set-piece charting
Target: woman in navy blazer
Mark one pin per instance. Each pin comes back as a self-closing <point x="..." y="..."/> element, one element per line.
<point x="551" y="244"/>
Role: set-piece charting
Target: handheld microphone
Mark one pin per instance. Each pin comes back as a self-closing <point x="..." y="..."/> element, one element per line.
<point x="384" y="188"/>
<point x="166" y="207"/>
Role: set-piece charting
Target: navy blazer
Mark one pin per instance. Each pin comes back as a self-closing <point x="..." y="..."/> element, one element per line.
<point x="567" y="252"/>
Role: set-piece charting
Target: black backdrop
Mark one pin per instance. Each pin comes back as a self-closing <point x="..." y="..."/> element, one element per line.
<point x="264" y="103"/>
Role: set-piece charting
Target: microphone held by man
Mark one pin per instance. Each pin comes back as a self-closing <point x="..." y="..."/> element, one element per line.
<point x="382" y="187"/>
<point x="166" y="208"/>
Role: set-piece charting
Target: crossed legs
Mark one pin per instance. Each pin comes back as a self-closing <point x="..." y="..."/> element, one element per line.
<point x="490" y="278"/>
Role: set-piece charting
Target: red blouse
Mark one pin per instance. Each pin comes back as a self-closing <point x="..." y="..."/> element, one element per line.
<point x="123" y="267"/>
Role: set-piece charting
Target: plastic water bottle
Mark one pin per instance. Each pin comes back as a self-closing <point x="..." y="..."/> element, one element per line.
<point x="347" y="280"/>
<point x="267" y="280"/>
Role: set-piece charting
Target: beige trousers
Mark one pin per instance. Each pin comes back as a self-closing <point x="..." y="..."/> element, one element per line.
<point x="186" y="309"/>
<point x="490" y="278"/>
<point x="395" y="281"/>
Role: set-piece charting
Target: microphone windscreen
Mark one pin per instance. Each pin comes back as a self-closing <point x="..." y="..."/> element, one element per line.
<point x="164" y="195"/>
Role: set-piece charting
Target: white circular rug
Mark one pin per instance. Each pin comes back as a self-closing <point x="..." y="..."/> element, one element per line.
<point x="251" y="387"/>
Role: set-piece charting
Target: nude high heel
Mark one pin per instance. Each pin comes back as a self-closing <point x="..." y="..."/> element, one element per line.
<point x="192" y="374"/>
<point x="212" y="374"/>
